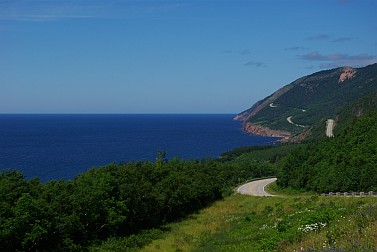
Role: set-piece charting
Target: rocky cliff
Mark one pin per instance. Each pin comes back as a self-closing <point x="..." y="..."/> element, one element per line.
<point x="264" y="131"/>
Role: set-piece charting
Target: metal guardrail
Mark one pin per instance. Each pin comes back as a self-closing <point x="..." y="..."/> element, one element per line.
<point x="350" y="194"/>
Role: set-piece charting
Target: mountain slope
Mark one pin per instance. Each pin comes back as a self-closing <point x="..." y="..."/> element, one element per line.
<point x="297" y="107"/>
<point x="347" y="115"/>
<point x="347" y="162"/>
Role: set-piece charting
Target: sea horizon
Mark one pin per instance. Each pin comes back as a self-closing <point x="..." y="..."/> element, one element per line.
<point x="61" y="146"/>
<point x="95" y="113"/>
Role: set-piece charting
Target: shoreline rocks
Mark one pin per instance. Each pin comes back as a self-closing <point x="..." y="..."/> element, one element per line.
<point x="259" y="130"/>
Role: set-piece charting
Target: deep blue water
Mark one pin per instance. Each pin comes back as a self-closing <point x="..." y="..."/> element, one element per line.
<point x="62" y="146"/>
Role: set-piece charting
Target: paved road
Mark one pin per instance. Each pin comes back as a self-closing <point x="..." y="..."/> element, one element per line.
<point x="256" y="188"/>
<point x="289" y="119"/>
<point x="329" y="127"/>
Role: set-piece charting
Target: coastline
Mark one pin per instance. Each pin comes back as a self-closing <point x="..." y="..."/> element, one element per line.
<point x="259" y="130"/>
<point x="60" y="146"/>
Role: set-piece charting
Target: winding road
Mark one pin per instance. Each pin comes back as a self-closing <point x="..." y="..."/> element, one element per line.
<point x="256" y="188"/>
<point x="329" y="127"/>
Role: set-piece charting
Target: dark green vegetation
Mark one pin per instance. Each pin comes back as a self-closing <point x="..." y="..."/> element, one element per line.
<point x="270" y="153"/>
<point x="312" y="99"/>
<point x="365" y="106"/>
<point x="347" y="162"/>
<point x="112" y="201"/>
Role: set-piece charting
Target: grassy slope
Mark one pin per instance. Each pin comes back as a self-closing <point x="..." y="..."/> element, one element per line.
<point x="242" y="223"/>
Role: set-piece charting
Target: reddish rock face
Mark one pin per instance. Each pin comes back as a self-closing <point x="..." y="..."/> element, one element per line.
<point x="264" y="131"/>
<point x="348" y="73"/>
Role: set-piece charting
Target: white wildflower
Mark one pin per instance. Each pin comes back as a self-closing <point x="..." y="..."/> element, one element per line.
<point x="311" y="227"/>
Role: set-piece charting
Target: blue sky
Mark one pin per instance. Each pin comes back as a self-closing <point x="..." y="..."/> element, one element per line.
<point x="187" y="56"/>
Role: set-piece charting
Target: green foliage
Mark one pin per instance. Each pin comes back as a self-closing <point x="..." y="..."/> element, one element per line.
<point x="365" y="106"/>
<point x="130" y="243"/>
<point x="271" y="153"/>
<point x="347" y="162"/>
<point x="112" y="201"/>
<point x="309" y="223"/>
<point x="312" y="99"/>
<point x="237" y="152"/>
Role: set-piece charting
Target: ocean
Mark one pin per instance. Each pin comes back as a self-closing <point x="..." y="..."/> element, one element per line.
<point x="54" y="147"/>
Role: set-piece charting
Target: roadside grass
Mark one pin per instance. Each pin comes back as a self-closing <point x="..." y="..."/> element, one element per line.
<point x="274" y="189"/>
<point x="190" y="233"/>
<point x="290" y="223"/>
<point x="195" y="231"/>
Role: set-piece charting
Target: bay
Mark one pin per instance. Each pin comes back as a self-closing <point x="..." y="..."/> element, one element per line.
<point x="62" y="146"/>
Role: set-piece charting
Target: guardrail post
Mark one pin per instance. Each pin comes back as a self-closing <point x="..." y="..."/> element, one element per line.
<point x="353" y="194"/>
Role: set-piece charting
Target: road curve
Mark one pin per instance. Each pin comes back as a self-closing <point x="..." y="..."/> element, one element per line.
<point x="256" y="188"/>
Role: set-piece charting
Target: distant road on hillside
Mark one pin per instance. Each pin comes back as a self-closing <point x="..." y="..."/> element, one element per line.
<point x="329" y="127"/>
<point x="256" y="188"/>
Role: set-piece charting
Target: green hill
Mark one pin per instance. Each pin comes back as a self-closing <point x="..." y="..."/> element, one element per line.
<point x="301" y="105"/>
<point x="347" y="162"/>
<point x="364" y="106"/>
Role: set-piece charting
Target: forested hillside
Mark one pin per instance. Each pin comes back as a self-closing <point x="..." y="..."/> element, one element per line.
<point x="365" y="106"/>
<point x="301" y="105"/>
<point x="111" y="201"/>
<point x="347" y="162"/>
